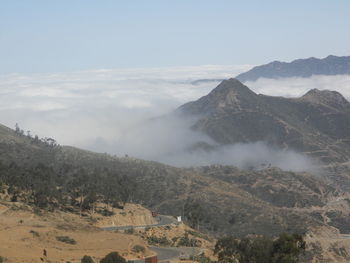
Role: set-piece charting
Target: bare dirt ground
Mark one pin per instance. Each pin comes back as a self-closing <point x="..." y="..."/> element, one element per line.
<point x="25" y="235"/>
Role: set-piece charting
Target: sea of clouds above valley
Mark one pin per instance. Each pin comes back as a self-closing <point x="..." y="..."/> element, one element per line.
<point x="77" y="107"/>
<point x="108" y="110"/>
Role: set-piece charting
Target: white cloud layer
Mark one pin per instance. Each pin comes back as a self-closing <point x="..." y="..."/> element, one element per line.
<point x="77" y="108"/>
<point x="296" y="87"/>
<point x="107" y="111"/>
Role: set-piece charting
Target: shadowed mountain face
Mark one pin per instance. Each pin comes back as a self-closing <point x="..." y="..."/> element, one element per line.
<point x="331" y="65"/>
<point x="316" y="124"/>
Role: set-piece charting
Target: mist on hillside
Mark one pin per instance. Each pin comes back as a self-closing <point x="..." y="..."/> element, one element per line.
<point x="171" y="140"/>
<point x="122" y="112"/>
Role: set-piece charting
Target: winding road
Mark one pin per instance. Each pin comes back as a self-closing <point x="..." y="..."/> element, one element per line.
<point x="174" y="253"/>
<point x="162" y="221"/>
<point x="164" y="254"/>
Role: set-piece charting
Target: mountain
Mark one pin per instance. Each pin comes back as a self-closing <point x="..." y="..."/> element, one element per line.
<point x="219" y="199"/>
<point x="205" y="81"/>
<point x="222" y="200"/>
<point x="316" y="124"/>
<point x="331" y="65"/>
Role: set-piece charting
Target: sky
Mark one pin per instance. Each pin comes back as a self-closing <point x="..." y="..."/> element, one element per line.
<point x="99" y="74"/>
<point x="61" y="36"/>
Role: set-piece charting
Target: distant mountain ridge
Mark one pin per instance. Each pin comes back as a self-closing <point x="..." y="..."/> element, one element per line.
<point x="331" y="65"/>
<point x="316" y="124"/>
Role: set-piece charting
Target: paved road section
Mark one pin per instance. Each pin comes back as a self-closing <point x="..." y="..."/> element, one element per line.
<point x="162" y="221"/>
<point x="175" y="253"/>
<point x="164" y="254"/>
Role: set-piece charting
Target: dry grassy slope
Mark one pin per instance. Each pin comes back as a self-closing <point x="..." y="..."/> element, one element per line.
<point x="24" y="235"/>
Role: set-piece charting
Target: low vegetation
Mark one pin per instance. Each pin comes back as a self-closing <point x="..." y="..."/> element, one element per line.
<point x="185" y="241"/>
<point x="129" y="231"/>
<point x="66" y="239"/>
<point x="285" y="249"/>
<point x="138" y="249"/>
<point x="113" y="257"/>
<point x="162" y="241"/>
<point x="87" y="259"/>
<point x="34" y="233"/>
<point x="199" y="235"/>
<point x="201" y="258"/>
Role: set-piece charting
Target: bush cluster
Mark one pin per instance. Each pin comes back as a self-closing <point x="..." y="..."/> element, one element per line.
<point x="286" y="248"/>
<point x="66" y="239"/>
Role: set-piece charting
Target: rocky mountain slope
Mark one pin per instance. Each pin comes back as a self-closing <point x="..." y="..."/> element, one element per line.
<point x="315" y="124"/>
<point x="331" y="65"/>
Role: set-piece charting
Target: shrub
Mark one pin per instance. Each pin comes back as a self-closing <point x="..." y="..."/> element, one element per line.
<point x="37" y="211"/>
<point x="198" y="234"/>
<point x="66" y="239"/>
<point x="2" y="259"/>
<point x="129" y="231"/>
<point x="87" y="259"/>
<point x="138" y="248"/>
<point x="106" y="212"/>
<point x="187" y="242"/>
<point x="35" y="234"/>
<point x="113" y="257"/>
<point x="286" y="248"/>
<point x="153" y="240"/>
<point x="201" y="258"/>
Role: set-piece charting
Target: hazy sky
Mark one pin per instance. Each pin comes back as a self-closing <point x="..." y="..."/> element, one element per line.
<point x="66" y="35"/>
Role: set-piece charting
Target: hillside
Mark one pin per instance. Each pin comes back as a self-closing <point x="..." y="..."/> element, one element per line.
<point x="331" y="65"/>
<point x="68" y="182"/>
<point x="26" y="233"/>
<point x="315" y="124"/>
<point x="268" y="201"/>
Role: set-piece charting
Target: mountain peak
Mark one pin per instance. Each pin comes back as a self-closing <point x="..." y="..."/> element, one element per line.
<point x="232" y="86"/>
<point x="329" y="98"/>
<point x="230" y="94"/>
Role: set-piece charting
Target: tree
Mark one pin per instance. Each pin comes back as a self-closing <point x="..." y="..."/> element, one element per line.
<point x="89" y="201"/>
<point x="87" y="259"/>
<point x="285" y="249"/>
<point x="126" y="188"/>
<point x="113" y="257"/>
<point x="193" y="212"/>
<point x="17" y="129"/>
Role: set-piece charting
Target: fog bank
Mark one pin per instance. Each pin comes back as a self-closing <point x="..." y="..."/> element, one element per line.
<point x="109" y="111"/>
